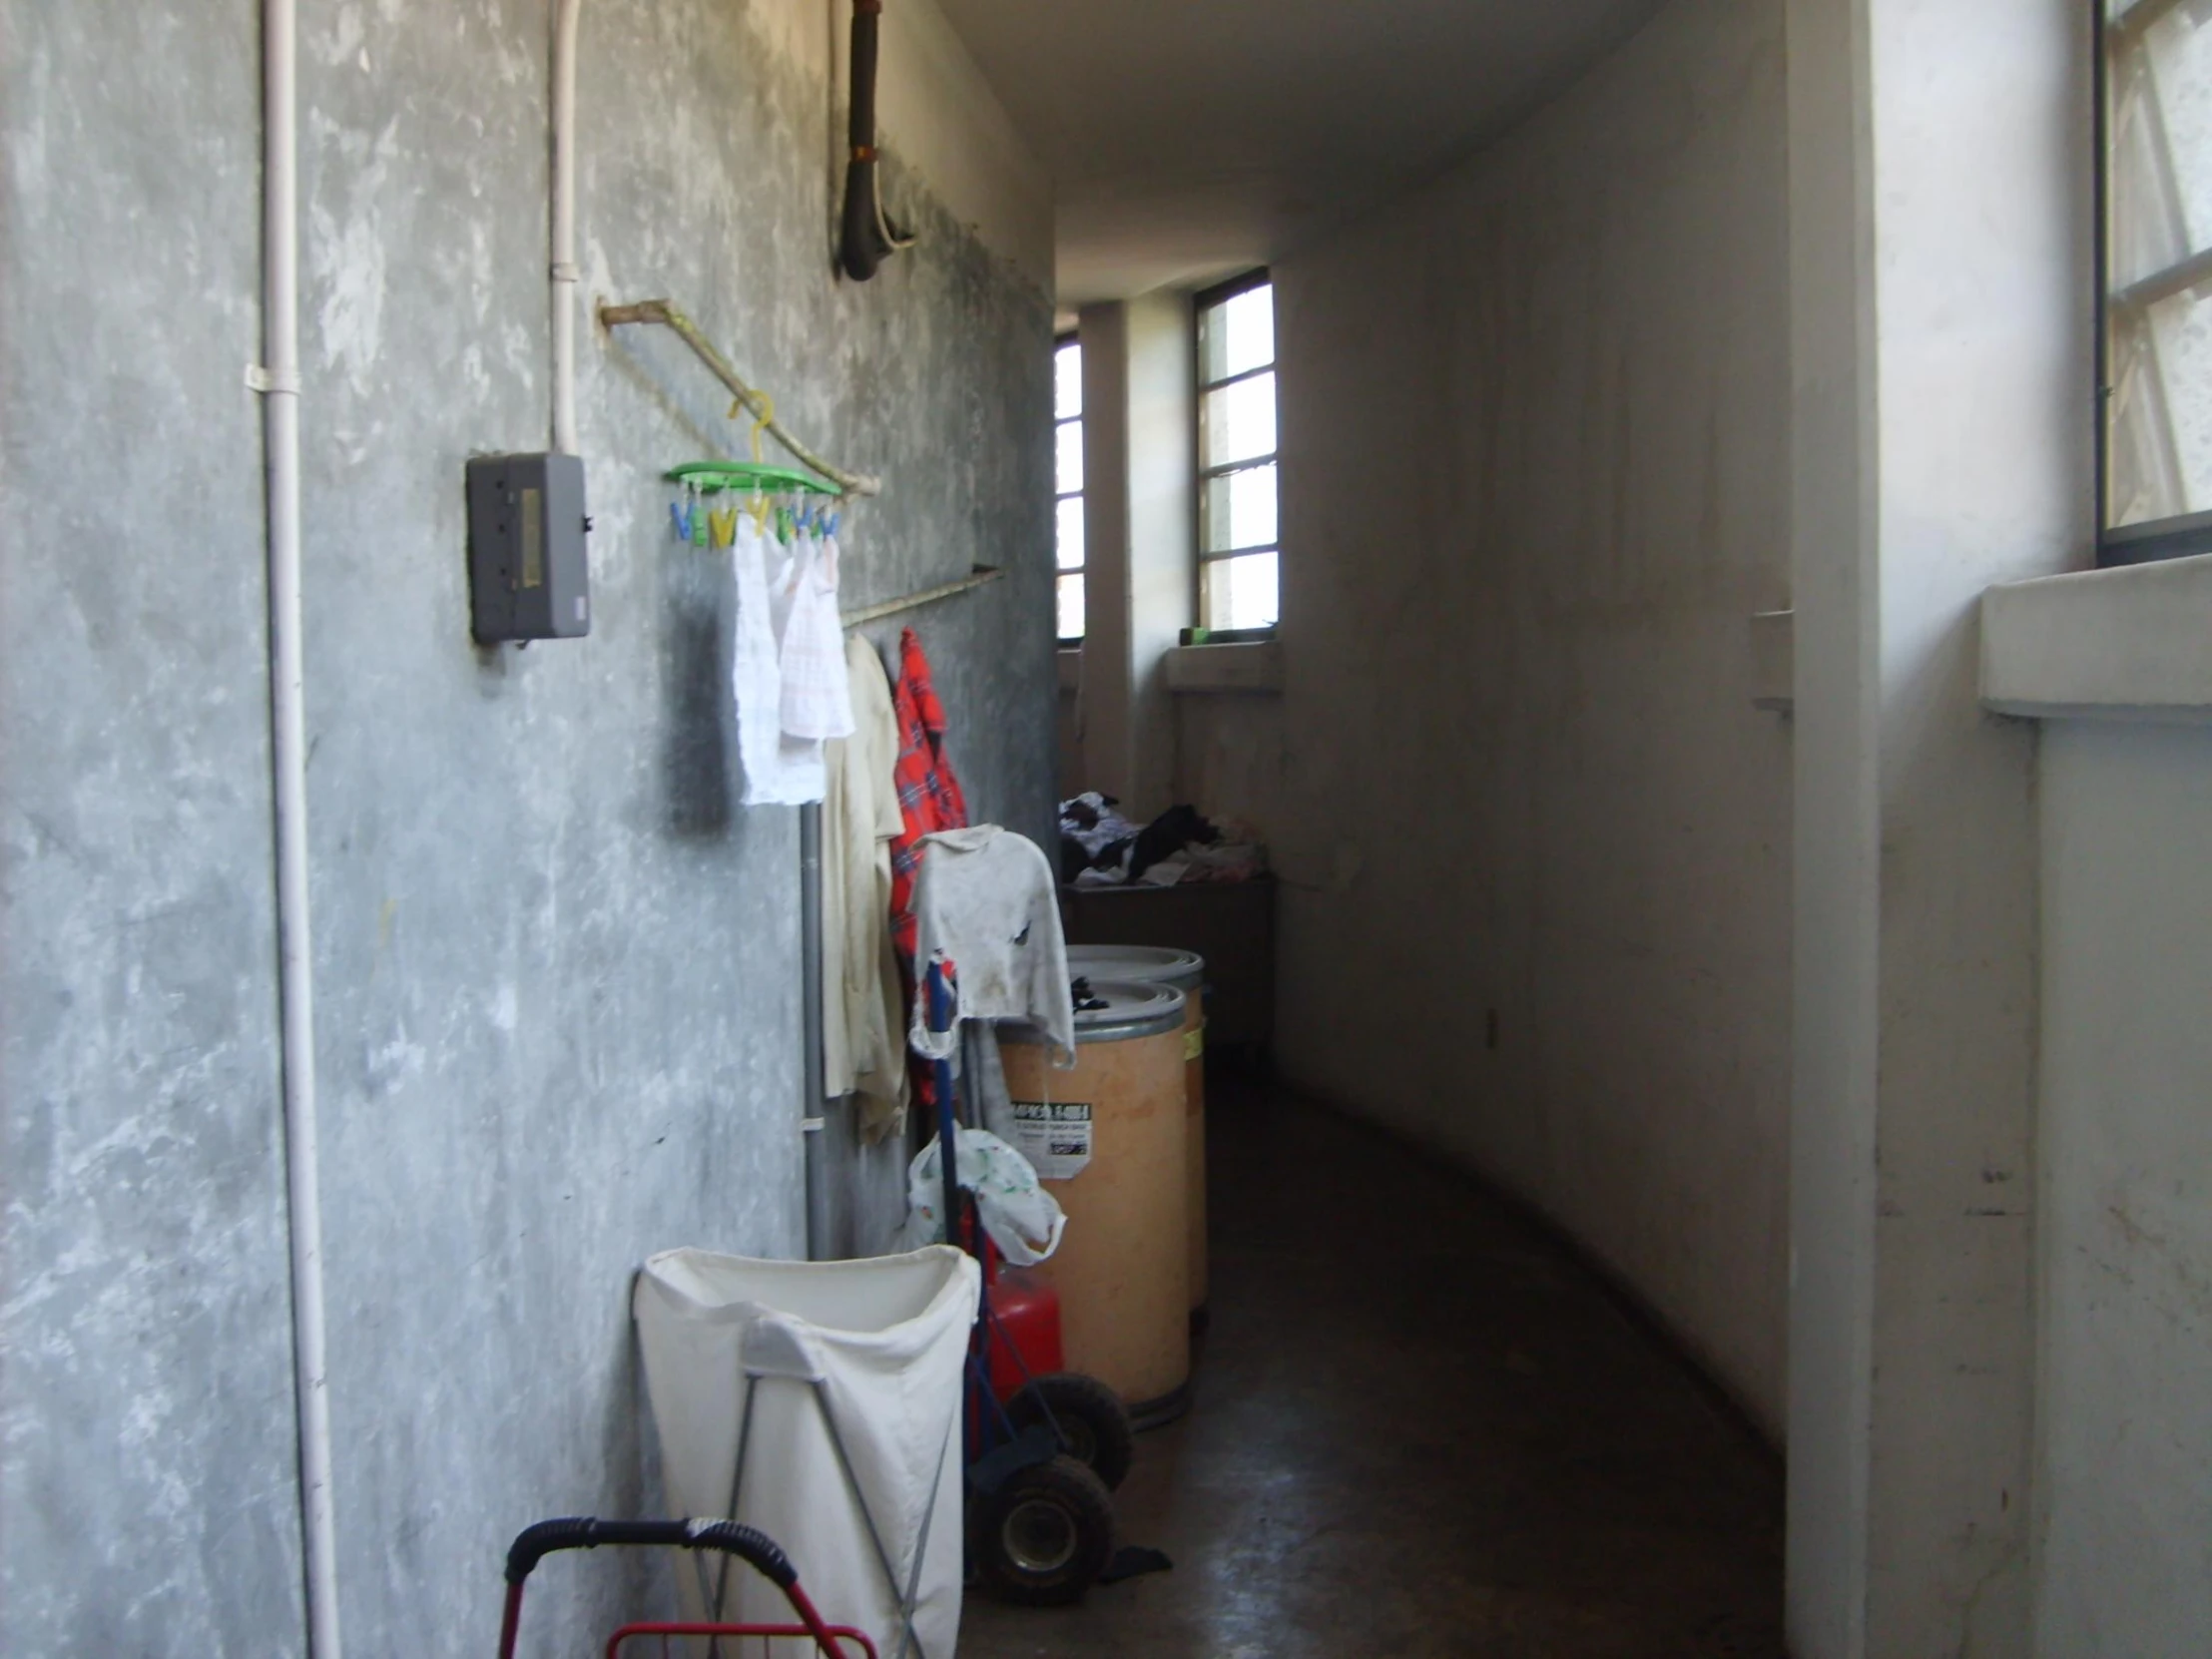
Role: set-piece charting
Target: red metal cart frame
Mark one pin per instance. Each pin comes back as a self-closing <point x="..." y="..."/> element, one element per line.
<point x="760" y="1551"/>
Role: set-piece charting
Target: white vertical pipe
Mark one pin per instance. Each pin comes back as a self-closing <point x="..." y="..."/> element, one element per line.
<point x="564" y="272"/>
<point x="289" y="765"/>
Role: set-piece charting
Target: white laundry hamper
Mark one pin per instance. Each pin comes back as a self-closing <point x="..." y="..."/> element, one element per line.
<point x="819" y="1402"/>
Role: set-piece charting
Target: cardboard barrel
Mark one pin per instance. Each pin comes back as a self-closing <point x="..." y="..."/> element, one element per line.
<point x="1108" y="1138"/>
<point x="1186" y="972"/>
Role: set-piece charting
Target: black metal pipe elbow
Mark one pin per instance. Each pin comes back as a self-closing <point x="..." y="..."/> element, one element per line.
<point x="861" y="245"/>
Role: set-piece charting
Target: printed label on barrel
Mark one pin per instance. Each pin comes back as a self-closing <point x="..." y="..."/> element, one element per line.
<point x="1193" y="1042"/>
<point x="1054" y="1135"/>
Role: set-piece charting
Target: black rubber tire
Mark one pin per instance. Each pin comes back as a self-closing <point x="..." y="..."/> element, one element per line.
<point x="1042" y="1539"/>
<point x="1094" y="1424"/>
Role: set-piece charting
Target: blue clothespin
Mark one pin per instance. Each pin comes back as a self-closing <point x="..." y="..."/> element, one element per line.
<point x="680" y="510"/>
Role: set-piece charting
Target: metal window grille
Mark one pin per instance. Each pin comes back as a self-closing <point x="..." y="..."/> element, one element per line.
<point x="1068" y="488"/>
<point x="1239" y="541"/>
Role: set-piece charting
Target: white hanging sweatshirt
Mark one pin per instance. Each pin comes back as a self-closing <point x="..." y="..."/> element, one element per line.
<point x="987" y="902"/>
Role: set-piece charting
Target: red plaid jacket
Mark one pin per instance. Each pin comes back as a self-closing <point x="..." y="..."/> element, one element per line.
<point x="928" y="794"/>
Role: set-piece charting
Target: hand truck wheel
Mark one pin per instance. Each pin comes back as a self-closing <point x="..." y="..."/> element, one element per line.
<point x="1044" y="1536"/>
<point x="1091" y="1421"/>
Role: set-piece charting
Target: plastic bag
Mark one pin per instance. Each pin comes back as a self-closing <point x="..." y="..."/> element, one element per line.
<point x="1022" y="1219"/>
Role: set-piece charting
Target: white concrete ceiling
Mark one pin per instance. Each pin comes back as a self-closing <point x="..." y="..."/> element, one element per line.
<point x="1190" y="138"/>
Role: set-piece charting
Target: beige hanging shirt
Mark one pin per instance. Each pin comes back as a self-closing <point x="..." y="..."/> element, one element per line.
<point x="863" y="1009"/>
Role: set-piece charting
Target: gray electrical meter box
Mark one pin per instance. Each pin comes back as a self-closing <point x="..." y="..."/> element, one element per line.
<point x="528" y="575"/>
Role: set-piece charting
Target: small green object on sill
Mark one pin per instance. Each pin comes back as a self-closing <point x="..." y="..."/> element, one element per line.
<point x="1196" y="635"/>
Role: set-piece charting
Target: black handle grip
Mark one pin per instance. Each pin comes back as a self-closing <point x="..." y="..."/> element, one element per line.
<point x="533" y="1543"/>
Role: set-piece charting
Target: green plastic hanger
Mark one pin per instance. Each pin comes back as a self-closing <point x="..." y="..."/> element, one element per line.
<point x="714" y="477"/>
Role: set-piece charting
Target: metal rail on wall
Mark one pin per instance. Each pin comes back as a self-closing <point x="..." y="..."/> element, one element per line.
<point x="669" y="317"/>
<point x="666" y="314"/>
<point x="978" y="577"/>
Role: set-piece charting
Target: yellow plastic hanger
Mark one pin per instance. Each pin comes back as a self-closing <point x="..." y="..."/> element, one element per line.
<point x="757" y="505"/>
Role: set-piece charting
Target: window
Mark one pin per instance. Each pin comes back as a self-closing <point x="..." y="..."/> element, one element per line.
<point x="1067" y="485"/>
<point x="1237" y="569"/>
<point x="2154" y="190"/>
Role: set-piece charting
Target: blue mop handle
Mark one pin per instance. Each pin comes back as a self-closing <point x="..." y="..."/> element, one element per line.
<point x="942" y="978"/>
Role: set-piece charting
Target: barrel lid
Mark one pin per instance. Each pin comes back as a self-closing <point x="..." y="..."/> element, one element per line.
<point x="1155" y="964"/>
<point x="1131" y="1008"/>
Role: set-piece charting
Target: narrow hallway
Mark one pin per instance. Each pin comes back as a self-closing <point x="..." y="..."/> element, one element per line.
<point x="1422" y="1428"/>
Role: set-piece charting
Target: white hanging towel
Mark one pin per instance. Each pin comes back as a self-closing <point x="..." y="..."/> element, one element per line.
<point x="778" y="770"/>
<point x="817" y="699"/>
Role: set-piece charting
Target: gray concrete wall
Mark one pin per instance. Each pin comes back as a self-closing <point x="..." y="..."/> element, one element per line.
<point x="146" y="1428"/>
<point x="1535" y="458"/>
<point x="2124" y="1420"/>
<point x="557" y="964"/>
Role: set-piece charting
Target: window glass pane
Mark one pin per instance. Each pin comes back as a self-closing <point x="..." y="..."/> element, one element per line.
<point x="1070" y="547"/>
<point x="2162" y="144"/>
<point x="1238" y="333"/>
<point x="1240" y="591"/>
<point x="1239" y="509"/>
<point x="1071" y="607"/>
<point x="2160" y="459"/>
<point x="1068" y="439"/>
<point x="1239" y="422"/>
<point x="2147" y="232"/>
<point x="1067" y="381"/>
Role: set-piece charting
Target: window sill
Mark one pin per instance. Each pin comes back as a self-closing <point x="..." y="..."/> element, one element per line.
<point x="2132" y="642"/>
<point x="1254" y="666"/>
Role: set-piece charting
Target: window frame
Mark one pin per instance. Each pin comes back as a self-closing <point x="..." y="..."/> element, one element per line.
<point x="1060" y="342"/>
<point x="1201" y="301"/>
<point x="2183" y="534"/>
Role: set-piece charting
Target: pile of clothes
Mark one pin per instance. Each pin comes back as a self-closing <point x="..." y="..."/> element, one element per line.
<point x="1101" y="848"/>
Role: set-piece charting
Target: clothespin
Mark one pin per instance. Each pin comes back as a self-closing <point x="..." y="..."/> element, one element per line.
<point x="680" y="511"/>
<point x="724" y="525"/>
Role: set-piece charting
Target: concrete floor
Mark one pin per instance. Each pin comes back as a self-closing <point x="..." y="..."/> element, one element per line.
<point x="1422" y="1429"/>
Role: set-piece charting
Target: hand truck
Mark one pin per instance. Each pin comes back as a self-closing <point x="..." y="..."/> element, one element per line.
<point x="534" y="1544"/>
<point x="1042" y="1462"/>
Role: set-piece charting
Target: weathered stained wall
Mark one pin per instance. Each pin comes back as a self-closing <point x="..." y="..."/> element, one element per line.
<point x="1942" y="444"/>
<point x="558" y="1000"/>
<point x="148" y="1382"/>
<point x="1534" y="439"/>
<point x="2124" y="1477"/>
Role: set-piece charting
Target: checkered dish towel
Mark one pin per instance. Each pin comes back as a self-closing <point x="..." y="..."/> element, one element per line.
<point x="818" y="687"/>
